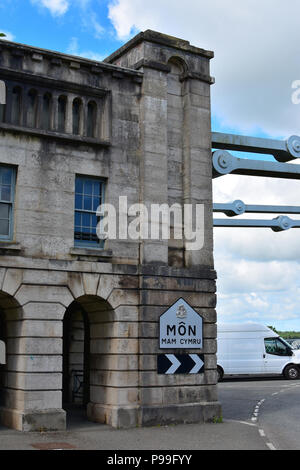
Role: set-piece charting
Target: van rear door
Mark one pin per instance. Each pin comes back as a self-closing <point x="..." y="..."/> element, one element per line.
<point x="277" y="355"/>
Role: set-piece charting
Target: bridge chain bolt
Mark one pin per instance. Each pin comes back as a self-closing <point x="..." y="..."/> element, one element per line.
<point x="283" y="223"/>
<point x="222" y="161"/>
<point x="239" y="207"/>
<point x="293" y="146"/>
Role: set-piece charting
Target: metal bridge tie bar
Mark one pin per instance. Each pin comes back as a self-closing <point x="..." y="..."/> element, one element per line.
<point x="282" y="151"/>
<point x="238" y="207"/>
<point x="279" y="224"/>
<point x="225" y="163"/>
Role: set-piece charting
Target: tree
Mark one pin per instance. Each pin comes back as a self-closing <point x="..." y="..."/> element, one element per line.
<point x="2" y="35"/>
<point x="273" y="328"/>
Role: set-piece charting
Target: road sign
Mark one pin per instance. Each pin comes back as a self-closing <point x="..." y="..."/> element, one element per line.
<point x="180" y="327"/>
<point x="180" y="363"/>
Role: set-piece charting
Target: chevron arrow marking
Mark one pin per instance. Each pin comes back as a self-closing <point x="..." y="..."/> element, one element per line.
<point x="175" y="364"/>
<point x="198" y="363"/>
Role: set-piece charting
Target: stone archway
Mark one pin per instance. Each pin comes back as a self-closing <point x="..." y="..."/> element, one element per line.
<point x="92" y="356"/>
<point x="10" y="376"/>
<point x="76" y="341"/>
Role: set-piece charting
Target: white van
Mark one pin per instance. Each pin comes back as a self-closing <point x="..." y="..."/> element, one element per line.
<point x="2" y="352"/>
<point x="252" y="348"/>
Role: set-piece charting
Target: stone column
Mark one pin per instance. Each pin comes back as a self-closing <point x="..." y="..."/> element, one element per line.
<point x="154" y="165"/>
<point x="197" y="161"/>
<point x="175" y="167"/>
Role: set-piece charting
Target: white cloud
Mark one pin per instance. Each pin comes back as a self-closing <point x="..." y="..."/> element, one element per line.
<point x="91" y="23"/>
<point x="98" y="29"/>
<point x="256" y="48"/>
<point x="56" y="7"/>
<point x="74" y="49"/>
<point x="257" y="59"/>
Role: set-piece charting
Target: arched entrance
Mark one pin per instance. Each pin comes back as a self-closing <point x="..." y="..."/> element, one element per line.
<point x="87" y="328"/>
<point x="11" y="314"/>
<point x="76" y="338"/>
<point x="2" y="366"/>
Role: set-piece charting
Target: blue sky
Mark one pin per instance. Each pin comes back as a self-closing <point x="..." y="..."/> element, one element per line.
<point x="257" y="58"/>
<point x="83" y="27"/>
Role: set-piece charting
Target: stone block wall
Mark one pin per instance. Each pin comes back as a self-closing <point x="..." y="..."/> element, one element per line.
<point x="151" y="143"/>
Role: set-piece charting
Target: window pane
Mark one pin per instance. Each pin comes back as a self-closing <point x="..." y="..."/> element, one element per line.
<point x="5" y="193"/>
<point x="86" y="220"/>
<point x="4" y="211"/>
<point x="77" y="218"/>
<point x="4" y="227"/>
<point x="79" y="185"/>
<point x="87" y="203"/>
<point x="88" y="187"/>
<point x="78" y="201"/>
<point x="96" y="203"/>
<point x="96" y="190"/>
<point x="6" y="174"/>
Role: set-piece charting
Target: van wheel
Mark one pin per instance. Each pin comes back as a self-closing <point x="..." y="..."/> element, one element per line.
<point x="291" y="372"/>
<point x="220" y="373"/>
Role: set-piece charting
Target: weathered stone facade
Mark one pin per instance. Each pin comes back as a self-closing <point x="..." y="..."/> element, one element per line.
<point x="140" y="121"/>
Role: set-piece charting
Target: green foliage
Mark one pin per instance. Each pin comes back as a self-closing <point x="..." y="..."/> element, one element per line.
<point x="218" y="419"/>
<point x="289" y="334"/>
<point x="286" y="334"/>
<point x="2" y="35"/>
<point x="273" y="328"/>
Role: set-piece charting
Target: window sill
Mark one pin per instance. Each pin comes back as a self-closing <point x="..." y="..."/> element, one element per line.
<point x="7" y="247"/>
<point x="66" y="138"/>
<point x="94" y="252"/>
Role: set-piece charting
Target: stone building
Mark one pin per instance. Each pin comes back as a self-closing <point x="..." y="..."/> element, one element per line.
<point x="79" y="316"/>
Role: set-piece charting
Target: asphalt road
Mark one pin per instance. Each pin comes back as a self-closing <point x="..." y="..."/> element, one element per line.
<point x="271" y="405"/>
<point x="258" y="414"/>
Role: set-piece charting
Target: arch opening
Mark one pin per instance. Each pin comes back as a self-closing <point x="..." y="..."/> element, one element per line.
<point x="86" y="333"/>
<point x="10" y="313"/>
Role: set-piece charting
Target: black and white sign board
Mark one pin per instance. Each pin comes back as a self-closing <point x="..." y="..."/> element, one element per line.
<point x="180" y="327"/>
<point x="180" y="363"/>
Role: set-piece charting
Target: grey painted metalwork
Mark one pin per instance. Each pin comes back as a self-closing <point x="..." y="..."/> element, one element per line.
<point x="238" y="207"/>
<point x="225" y="163"/>
<point x="279" y="224"/>
<point x="283" y="151"/>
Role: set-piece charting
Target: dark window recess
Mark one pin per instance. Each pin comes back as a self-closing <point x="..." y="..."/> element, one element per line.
<point x="46" y="111"/>
<point x="61" y="118"/>
<point x="76" y="116"/>
<point x="2" y="112"/>
<point x="37" y="108"/>
<point x="91" y="119"/>
<point x="31" y="108"/>
<point x="16" y="105"/>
